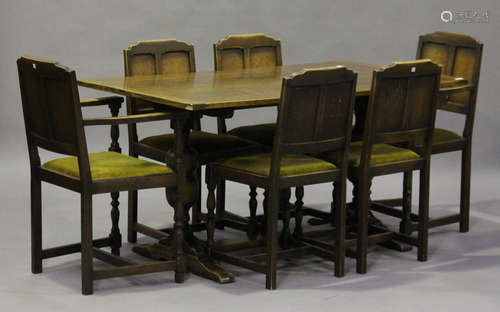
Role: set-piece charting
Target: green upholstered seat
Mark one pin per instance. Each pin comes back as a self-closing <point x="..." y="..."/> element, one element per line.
<point x="441" y="136"/>
<point x="108" y="165"/>
<point x="262" y="134"/>
<point x="381" y="154"/>
<point x="202" y="142"/>
<point x="290" y="164"/>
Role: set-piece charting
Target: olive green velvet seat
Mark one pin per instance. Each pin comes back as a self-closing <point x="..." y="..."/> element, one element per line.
<point x="202" y="142"/>
<point x="381" y="154"/>
<point x="108" y="165"/>
<point x="291" y="165"/>
<point x="261" y="133"/>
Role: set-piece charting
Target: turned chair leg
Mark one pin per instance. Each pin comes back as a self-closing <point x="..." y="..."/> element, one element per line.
<point x="333" y="205"/>
<point x="179" y="227"/>
<point x="299" y="204"/>
<point x="211" y="184"/>
<point x="132" y="216"/>
<point x="115" y="236"/>
<point x="271" y="238"/>
<point x="252" y="205"/>
<point x="465" y="190"/>
<point x="405" y="224"/>
<point x="220" y="203"/>
<point x="86" y="241"/>
<point x="36" y="225"/>
<point x="196" y="209"/>
<point x="265" y="204"/>
<point x="423" y="215"/>
<point x="340" y="226"/>
<point x="285" y="232"/>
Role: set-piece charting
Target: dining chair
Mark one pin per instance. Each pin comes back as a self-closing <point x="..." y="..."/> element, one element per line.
<point x="460" y="56"/>
<point x="167" y="57"/>
<point x="53" y="121"/>
<point x="314" y="116"/>
<point x="401" y="108"/>
<point x="236" y="52"/>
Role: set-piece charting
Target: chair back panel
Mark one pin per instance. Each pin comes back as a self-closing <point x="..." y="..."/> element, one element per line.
<point x="142" y="65"/>
<point x="247" y="51"/>
<point x="459" y="55"/>
<point x="155" y="57"/>
<point x="402" y="103"/>
<point x="315" y="113"/>
<point x="50" y="105"/>
<point x="175" y="62"/>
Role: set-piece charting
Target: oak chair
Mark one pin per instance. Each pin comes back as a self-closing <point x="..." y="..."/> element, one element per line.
<point x="236" y="52"/>
<point x="460" y="56"/>
<point x="54" y="122"/>
<point x="314" y="116"/>
<point x="409" y="91"/>
<point x="166" y="57"/>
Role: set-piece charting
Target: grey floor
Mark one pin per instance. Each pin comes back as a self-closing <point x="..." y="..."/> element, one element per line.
<point x="462" y="274"/>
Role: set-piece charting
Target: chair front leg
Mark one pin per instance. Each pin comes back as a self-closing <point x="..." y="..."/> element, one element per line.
<point x="271" y="238"/>
<point x="86" y="241"/>
<point x="115" y="236"/>
<point x="423" y="214"/>
<point x="340" y="226"/>
<point x="36" y="224"/>
<point x="465" y="189"/>
<point x="361" y="198"/>
<point x="132" y="216"/>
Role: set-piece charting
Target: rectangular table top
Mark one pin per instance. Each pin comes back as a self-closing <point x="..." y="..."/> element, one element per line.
<point x="253" y="87"/>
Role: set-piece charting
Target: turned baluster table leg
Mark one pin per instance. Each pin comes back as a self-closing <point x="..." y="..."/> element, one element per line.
<point x="189" y="252"/>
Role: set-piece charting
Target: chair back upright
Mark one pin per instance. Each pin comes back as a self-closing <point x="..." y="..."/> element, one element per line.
<point x="52" y="113"/>
<point x="460" y="56"/>
<point x="402" y="106"/>
<point x="315" y="114"/>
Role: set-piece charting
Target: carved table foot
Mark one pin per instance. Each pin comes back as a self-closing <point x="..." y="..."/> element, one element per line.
<point x="197" y="262"/>
<point x="376" y="226"/>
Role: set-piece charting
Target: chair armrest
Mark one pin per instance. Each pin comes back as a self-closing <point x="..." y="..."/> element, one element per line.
<point x="132" y="119"/>
<point x="107" y="100"/>
<point x="456" y="89"/>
